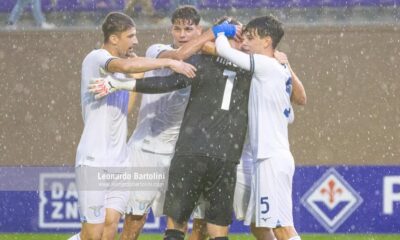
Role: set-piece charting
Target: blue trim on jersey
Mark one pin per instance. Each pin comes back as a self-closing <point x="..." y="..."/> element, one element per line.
<point x="108" y="62"/>
<point x="119" y="99"/>
<point x="289" y="86"/>
<point x="287" y="112"/>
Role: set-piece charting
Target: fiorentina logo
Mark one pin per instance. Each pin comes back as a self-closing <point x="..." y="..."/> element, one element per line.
<point x="331" y="200"/>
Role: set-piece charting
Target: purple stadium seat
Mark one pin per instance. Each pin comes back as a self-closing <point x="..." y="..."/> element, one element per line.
<point x="7" y="5"/>
<point x="90" y="5"/>
<point x="212" y="4"/>
<point x="161" y="4"/>
<point x="250" y="4"/>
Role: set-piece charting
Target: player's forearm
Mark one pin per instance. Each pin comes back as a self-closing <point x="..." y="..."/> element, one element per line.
<point x="237" y="57"/>
<point x="162" y="84"/>
<point x="298" y="93"/>
<point x="137" y="65"/>
<point x="209" y="49"/>
<point x="133" y="99"/>
<point x="190" y="48"/>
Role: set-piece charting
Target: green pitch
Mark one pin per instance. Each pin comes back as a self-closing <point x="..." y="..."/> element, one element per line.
<point x="34" y="236"/>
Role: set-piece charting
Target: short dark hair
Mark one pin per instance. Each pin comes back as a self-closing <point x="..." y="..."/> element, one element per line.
<point x="116" y="22"/>
<point x="186" y="13"/>
<point x="227" y="19"/>
<point x="266" y="26"/>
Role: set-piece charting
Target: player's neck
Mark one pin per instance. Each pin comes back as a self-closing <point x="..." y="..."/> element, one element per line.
<point x="112" y="50"/>
<point x="269" y="52"/>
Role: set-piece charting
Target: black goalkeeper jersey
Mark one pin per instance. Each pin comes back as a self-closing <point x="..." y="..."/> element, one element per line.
<point x="215" y="120"/>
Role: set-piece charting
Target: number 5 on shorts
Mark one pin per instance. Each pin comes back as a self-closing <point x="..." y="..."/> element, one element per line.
<point x="264" y="201"/>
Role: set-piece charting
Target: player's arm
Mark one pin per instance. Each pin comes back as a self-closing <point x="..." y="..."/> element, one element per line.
<point x="298" y="96"/>
<point x="141" y="64"/>
<point x="202" y="43"/>
<point x="298" y="92"/>
<point x="162" y="84"/>
<point x="209" y="48"/>
<point x="102" y="87"/>
<point x="241" y="59"/>
<point x="133" y="96"/>
<point x="190" y="48"/>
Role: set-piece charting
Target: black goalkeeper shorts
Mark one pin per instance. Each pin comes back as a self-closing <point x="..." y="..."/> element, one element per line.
<point x="191" y="176"/>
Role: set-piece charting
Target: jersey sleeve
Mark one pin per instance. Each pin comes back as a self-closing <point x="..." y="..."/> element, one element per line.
<point x="264" y="66"/>
<point x="162" y="84"/>
<point x="224" y="49"/>
<point x="153" y="52"/>
<point x="103" y="58"/>
<point x="156" y="49"/>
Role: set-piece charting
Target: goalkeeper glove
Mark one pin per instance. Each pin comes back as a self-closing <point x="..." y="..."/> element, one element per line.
<point x="228" y="29"/>
<point x="102" y="87"/>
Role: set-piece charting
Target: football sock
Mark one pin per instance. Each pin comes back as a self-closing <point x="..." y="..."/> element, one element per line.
<point x="75" y="237"/>
<point x="173" y="234"/>
<point x="295" y="238"/>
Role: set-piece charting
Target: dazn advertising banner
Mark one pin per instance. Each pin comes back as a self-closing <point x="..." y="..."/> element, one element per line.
<point x="327" y="199"/>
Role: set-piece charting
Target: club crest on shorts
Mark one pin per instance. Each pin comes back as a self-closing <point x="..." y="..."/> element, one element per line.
<point x="96" y="210"/>
<point x="331" y="200"/>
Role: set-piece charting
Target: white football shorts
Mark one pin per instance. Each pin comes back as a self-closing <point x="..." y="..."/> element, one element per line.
<point x="92" y="202"/>
<point x="141" y="199"/>
<point x="271" y="192"/>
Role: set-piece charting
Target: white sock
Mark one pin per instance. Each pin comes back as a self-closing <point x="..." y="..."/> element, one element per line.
<point x="75" y="237"/>
<point x="295" y="238"/>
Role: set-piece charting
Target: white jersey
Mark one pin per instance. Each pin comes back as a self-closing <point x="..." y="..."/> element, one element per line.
<point x="160" y="115"/>
<point x="270" y="109"/>
<point x="103" y="141"/>
<point x="246" y="160"/>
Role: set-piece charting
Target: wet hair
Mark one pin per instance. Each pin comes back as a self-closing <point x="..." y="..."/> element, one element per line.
<point x="116" y="22"/>
<point x="186" y="13"/>
<point x="266" y="26"/>
<point x="227" y="19"/>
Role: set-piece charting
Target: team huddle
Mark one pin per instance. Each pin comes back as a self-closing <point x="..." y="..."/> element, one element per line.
<point x="214" y="118"/>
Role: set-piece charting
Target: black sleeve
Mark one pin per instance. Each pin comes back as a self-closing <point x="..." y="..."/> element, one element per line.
<point x="162" y="84"/>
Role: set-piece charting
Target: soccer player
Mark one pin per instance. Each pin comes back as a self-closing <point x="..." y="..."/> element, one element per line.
<point x="270" y="111"/>
<point x="210" y="141"/>
<point x="152" y="144"/>
<point x="205" y="128"/>
<point x="103" y="141"/>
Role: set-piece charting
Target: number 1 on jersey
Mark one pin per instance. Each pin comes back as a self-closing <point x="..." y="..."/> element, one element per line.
<point x="226" y="100"/>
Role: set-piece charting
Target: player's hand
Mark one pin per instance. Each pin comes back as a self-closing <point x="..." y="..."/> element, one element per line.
<point x="101" y="87"/>
<point x="228" y="29"/>
<point x="131" y="54"/>
<point x="238" y="36"/>
<point x="183" y="68"/>
<point x="281" y="57"/>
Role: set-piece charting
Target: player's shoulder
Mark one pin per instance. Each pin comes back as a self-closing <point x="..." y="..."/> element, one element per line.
<point x="224" y="63"/>
<point x="259" y="58"/>
<point x="268" y="63"/>
<point x="155" y="49"/>
<point x="199" y="60"/>
<point x="97" y="54"/>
